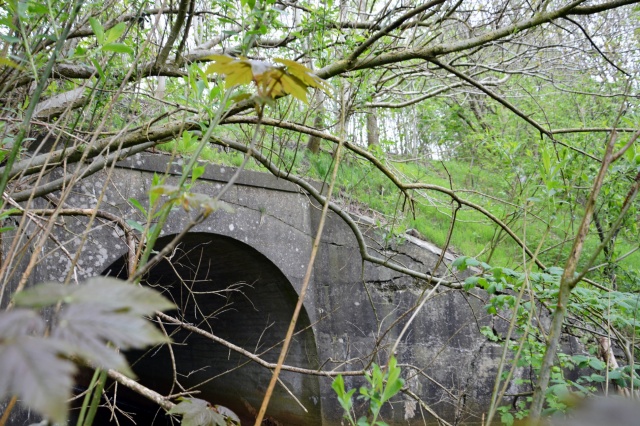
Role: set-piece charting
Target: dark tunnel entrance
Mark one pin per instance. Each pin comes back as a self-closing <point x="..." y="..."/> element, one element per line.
<point x="231" y="290"/>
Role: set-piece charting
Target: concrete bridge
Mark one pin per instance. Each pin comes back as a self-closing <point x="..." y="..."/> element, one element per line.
<point x="237" y="275"/>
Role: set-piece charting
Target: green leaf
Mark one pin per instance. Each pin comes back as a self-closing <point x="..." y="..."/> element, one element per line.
<point x="135" y="225"/>
<point x="344" y="398"/>
<point x="497" y="273"/>
<point x="559" y="390"/>
<point x="197" y="172"/>
<point x="615" y="375"/>
<point x="365" y="392"/>
<point x="546" y="161"/>
<point x="38" y="8"/>
<point x="472" y="262"/>
<point x="460" y="263"/>
<point x="394" y="382"/>
<point x="488" y="333"/>
<point x="338" y="386"/>
<point x="507" y="419"/>
<point x="8" y="22"/>
<point x="362" y="421"/>
<point x="483" y="282"/>
<point x="98" y="30"/>
<point x="393" y="387"/>
<point x="138" y="206"/>
<point x="597" y="364"/>
<point x="9" y="212"/>
<point x="580" y="360"/>
<point x="10" y="39"/>
<point x="470" y="283"/>
<point x="231" y="417"/>
<point x="23" y="10"/>
<point x="105" y="311"/>
<point x="98" y="68"/>
<point x="118" y="48"/>
<point x="554" y="270"/>
<point x="9" y="63"/>
<point x="87" y="330"/>
<point x="114" y="33"/>
<point x="240" y="97"/>
<point x="377" y="377"/>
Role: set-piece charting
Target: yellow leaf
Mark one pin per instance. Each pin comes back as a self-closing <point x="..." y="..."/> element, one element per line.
<point x="236" y="71"/>
<point x="271" y="81"/>
<point x="211" y="69"/>
<point x="219" y="68"/>
<point x="165" y="190"/>
<point x="222" y="59"/>
<point x="240" y="97"/>
<point x="268" y="82"/>
<point x="8" y="62"/>
<point x="219" y="65"/>
<point x="295" y="87"/>
<point x="239" y="73"/>
<point x="276" y="89"/>
<point x="301" y="72"/>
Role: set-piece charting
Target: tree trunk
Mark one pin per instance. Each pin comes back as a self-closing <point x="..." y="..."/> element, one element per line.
<point x="373" y="133"/>
<point x="313" y="143"/>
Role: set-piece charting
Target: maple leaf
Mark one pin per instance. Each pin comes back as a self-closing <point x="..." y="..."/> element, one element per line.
<point x="109" y="292"/>
<point x="88" y="328"/>
<point x="198" y="412"/>
<point x="34" y="368"/>
<point x="304" y="74"/>
<point x="236" y="71"/>
<point x="271" y="81"/>
<point x="95" y="319"/>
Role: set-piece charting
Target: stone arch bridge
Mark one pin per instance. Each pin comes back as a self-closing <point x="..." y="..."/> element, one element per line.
<point x="237" y="275"/>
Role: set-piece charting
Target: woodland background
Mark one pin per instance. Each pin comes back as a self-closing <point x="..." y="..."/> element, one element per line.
<point x="504" y="130"/>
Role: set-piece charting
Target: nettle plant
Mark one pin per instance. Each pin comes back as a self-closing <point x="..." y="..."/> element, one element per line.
<point x="526" y="297"/>
<point x="383" y="384"/>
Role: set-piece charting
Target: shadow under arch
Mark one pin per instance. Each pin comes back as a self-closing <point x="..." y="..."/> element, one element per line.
<point x="230" y="289"/>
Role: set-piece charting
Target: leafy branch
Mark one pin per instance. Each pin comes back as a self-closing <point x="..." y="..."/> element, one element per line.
<point x="383" y="385"/>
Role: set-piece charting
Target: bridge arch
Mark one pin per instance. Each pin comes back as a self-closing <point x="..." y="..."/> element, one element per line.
<point x="230" y="289"/>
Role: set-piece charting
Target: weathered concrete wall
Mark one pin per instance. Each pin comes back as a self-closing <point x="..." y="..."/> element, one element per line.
<point x="449" y="364"/>
<point x="353" y="311"/>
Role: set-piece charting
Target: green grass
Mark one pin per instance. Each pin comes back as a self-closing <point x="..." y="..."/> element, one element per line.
<point x="368" y="191"/>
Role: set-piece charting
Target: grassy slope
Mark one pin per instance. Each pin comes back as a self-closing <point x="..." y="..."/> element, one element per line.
<point x="364" y="189"/>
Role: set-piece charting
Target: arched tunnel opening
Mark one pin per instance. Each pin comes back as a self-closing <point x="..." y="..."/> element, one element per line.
<point x="227" y="288"/>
